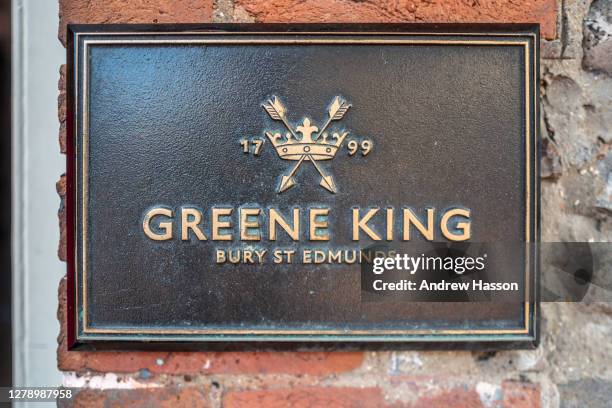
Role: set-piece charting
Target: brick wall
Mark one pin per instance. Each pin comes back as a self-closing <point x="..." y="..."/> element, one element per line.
<point x="567" y="367"/>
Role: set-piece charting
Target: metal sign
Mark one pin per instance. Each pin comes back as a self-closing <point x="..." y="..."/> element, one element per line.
<point x="350" y="183"/>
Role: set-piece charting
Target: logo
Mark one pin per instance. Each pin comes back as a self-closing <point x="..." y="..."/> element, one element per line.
<point x="307" y="142"/>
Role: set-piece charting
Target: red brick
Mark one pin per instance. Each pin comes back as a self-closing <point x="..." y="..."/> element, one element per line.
<point x="139" y="11"/>
<point x="521" y="395"/>
<point x="306" y="397"/>
<point x="60" y="186"/>
<point x="171" y="397"/>
<point x="306" y="363"/>
<point x="453" y="398"/>
<point x="314" y="363"/>
<point x="61" y="108"/>
<point x="422" y="11"/>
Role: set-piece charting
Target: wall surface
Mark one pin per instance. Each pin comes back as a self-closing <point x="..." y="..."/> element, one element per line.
<point x="573" y="365"/>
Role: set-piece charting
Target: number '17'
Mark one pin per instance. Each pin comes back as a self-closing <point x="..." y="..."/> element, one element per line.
<point x="257" y="145"/>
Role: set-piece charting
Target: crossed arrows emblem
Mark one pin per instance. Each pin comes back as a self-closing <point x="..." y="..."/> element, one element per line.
<point x="306" y="147"/>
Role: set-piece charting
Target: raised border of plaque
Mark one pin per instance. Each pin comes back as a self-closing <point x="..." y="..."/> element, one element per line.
<point x="81" y="39"/>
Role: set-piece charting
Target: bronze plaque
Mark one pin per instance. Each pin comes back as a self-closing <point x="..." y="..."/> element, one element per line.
<point x="283" y="183"/>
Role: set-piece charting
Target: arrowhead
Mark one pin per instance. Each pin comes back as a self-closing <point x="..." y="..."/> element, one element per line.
<point x="286" y="183"/>
<point x="327" y="183"/>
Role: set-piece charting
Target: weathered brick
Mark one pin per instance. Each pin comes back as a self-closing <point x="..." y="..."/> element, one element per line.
<point x="452" y="398"/>
<point x="140" y="11"/>
<point x="61" y="108"/>
<point x="306" y="397"/>
<point x="445" y="391"/>
<point x="298" y="363"/>
<point x="60" y="187"/>
<point x="519" y="394"/>
<point x="171" y="397"/>
<point x="389" y="11"/>
<point x="425" y="392"/>
<point x="305" y="363"/>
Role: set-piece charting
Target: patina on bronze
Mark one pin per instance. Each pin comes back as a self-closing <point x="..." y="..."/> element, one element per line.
<point x="226" y="182"/>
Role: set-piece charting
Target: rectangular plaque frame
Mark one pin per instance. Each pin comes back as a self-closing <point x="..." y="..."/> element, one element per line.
<point x="82" y="38"/>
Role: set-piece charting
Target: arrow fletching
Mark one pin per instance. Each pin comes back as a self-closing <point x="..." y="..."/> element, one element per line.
<point x="338" y="108"/>
<point x="275" y="109"/>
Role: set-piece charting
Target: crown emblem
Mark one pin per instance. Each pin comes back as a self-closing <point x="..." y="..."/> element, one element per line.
<point x="321" y="146"/>
<point x="307" y="142"/>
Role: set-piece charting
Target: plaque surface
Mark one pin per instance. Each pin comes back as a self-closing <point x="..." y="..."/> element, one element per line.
<point x="237" y="183"/>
